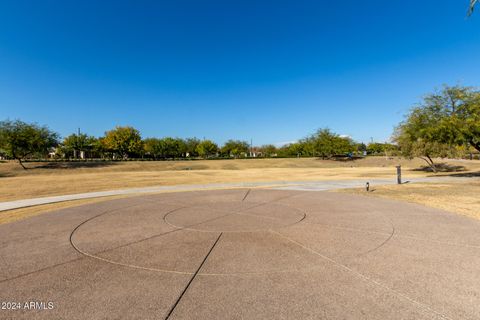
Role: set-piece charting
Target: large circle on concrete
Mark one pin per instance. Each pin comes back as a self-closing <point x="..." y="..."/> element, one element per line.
<point x="173" y="232"/>
<point x="352" y="257"/>
<point x="236" y="216"/>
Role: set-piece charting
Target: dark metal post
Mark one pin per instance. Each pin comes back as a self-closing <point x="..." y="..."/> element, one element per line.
<point x="399" y="174"/>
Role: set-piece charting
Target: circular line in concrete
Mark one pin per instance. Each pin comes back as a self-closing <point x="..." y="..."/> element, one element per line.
<point x="110" y="261"/>
<point x="302" y="216"/>
<point x="365" y="278"/>
<point x="178" y="228"/>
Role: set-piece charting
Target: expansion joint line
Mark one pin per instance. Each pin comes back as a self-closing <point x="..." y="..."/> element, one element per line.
<point x="191" y="279"/>
<point x="365" y="278"/>
<point x="246" y="194"/>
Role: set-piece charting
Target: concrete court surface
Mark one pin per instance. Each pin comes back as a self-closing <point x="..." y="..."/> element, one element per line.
<point x="242" y="254"/>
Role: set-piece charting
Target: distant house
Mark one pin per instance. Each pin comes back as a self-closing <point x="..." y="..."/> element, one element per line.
<point x="256" y="152"/>
<point x="52" y="153"/>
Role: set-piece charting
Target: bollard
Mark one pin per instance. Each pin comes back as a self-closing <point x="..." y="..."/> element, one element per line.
<point x="399" y="174"/>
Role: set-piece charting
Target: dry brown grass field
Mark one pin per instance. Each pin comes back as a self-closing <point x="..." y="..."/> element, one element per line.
<point x="59" y="178"/>
<point x="459" y="197"/>
<point x="23" y="213"/>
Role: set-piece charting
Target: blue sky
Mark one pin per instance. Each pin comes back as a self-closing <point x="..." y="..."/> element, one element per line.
<point x="271" y="71"/>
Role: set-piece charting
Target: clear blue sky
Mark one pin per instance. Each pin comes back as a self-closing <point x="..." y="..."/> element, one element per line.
<point x="273" y="71"/>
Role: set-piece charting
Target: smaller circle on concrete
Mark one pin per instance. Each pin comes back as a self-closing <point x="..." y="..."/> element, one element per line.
<point x="234" y="217"/>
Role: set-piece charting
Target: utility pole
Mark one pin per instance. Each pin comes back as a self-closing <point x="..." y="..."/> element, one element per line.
<point x="77" y="153"/>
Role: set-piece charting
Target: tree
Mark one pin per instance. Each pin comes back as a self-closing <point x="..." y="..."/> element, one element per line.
<point x="77" y="143"/>
<point x="295" y="149"/>
<point x="361" y="147"/>
<point x="441" y="124"/>
<point x="207" y="148"/>
<point x="308" y="146"/>
<point x="235" y="148"/>
<point x="412" y="145"/>
<point x="20" y="140"/>
<point x="191" y="146"/>
<point x="452" y="115"/>
<point x="152" y="147"/>
<point x="380" y="148"/>
<point x="328" y="143"/>
<point x="465" y="117"/>
<point x="125" y="141"/>
<point x="166" y="147"/>
<point x="171" y="147"/>
<point x="323" y="143"/>
<point x="269" y="150"/>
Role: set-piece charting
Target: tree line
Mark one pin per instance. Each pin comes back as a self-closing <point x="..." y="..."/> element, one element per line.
<point x="444" y="124"/>
<point x="20" y="141"/>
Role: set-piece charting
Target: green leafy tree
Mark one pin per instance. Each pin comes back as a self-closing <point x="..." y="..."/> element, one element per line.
<point x="308" y="146"/>
<point x="380" y="148"/>
<point x="20" y="140"/>
<point x="450" y="116"/>
<point x="292" y="150"/>
<point x="412" y="145"/>
<point x="172" y="147"/>
<point x="100" y="148"/>
<point x="207" y="148"/>
<point x="441" y="124"/>
<point x="124" y="141"/>
<point x="323" y="143"/>
<point x="191" y="146"/>
<point x="360" y="147"/>
<point x="328" y="143"/>
<point x="152" y="147"/>
<point x="269" y="150"/>
<point x="74" y="144"/>
<point x="417" y="137"/>
<point x="235" y="148"/>
<point x="463" y="115"/>
<point x="181" y="148"/>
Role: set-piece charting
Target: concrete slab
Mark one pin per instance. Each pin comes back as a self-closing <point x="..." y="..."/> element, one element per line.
<point x="176" y="252"/>
<point x="86" y="289"/>
<point x="327" y="293"/>
<point x="251" y="254"/>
